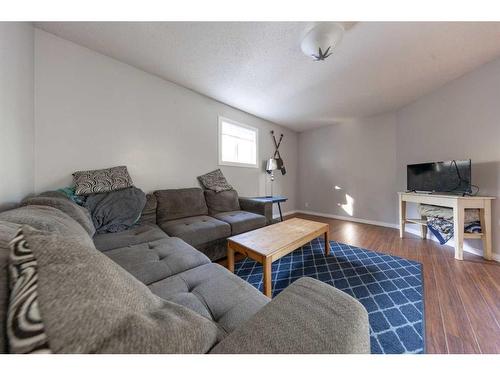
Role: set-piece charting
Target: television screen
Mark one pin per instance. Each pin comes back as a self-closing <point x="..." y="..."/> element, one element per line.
<point x="444" y="176"/>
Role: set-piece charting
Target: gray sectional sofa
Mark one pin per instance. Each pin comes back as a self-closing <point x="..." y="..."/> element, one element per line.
<point x="204" y="219"/>
<point x="160" y="251"/>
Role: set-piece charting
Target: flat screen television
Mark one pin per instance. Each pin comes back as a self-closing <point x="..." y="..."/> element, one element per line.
<point x="452" y="176"/>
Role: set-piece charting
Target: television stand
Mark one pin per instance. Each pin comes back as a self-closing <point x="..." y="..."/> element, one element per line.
<point x="459" y="204"/>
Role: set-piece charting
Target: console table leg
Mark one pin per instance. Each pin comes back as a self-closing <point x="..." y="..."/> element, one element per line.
<point x="458" y="230"/>
<point x="279" y="208"/>
<point x="402" y="217"/>
<point x="486" y="229"/>
<point x="423" y="228"/>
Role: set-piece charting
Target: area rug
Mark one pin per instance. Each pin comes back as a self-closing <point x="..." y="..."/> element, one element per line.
<point x="389" y="287"/>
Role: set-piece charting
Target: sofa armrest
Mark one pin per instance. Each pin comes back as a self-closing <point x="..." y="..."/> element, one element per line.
<point x="307" y="317"/>
<point x="257" y="207"/>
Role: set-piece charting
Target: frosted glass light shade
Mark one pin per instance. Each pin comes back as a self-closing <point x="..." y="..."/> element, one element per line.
<point x="325" y="36"/>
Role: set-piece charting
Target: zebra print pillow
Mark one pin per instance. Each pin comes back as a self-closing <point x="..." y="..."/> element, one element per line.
<point x="25" y="328"/>
<point x="101" y="180"/>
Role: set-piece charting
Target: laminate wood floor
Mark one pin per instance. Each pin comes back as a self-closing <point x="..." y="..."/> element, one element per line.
<point x="462" y="298"/>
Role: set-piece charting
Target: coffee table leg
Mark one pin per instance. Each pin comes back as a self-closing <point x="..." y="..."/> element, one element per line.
<point x="266" y="265"/>
<point x="327" y="242"/>
<point x="230" y="258"/>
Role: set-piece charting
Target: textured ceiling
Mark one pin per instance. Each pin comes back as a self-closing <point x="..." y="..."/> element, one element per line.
<point x="258" y="67"/>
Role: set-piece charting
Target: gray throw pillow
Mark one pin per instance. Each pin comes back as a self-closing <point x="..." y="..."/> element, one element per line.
<point x="116" y="211"/>
<point x="215" y="181"/>
<point x="89" y="304"/>
<point x="225" y="201"/>
<point x="101" y="180"/>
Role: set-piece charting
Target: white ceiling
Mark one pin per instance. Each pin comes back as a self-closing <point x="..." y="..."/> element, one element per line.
<point x="258" y="67"/>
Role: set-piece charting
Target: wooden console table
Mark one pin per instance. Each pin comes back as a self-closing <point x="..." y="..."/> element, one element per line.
<point x="459" y="204"/>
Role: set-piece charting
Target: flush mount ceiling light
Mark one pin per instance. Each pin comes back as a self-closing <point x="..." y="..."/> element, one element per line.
<point x="321" y="40"/>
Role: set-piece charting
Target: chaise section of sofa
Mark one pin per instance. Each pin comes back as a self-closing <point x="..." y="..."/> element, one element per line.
<point x="308" y="317"/>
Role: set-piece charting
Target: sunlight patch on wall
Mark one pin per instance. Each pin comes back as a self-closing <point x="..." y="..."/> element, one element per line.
<point x="348" y="207"/>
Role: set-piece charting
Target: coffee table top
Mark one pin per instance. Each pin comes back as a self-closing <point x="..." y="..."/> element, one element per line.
<point x="279" y="239"/>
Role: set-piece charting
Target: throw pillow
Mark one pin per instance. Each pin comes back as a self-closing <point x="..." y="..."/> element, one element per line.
<point x="215" y="181"/>
<point x="7" y="233"/>
<point x="224" y="201"/>
<point x="116" y="211"/>
<point x="89" y="304"/>
<point x="25" y="328"/>
<point x="101" y="180"/>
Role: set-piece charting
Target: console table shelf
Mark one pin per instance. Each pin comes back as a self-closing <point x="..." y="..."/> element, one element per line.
<point x="458" y="204"/>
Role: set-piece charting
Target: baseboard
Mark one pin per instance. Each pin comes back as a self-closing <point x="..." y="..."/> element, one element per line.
<point x="277" y="216"/>
<point x="467" y="247"/>
<point x="350" y="218"/>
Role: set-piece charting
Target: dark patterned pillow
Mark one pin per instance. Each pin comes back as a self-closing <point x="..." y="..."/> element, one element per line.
<point x="25" y="328"/>
<point x="101" y="180"/>
<point x="215" y="181"/>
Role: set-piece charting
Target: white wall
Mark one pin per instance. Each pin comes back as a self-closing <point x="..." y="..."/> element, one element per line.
<point x="16" y="112"/>
<point x="92" y="111"/>
<point x="368" y="157"/>
<point x="358" y="156"/>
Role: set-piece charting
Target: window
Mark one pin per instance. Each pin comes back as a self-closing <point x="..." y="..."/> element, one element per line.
<point x="237" y="144"/>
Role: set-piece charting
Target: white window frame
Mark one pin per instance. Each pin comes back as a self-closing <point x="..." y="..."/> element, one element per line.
<point x="236" y="164"/>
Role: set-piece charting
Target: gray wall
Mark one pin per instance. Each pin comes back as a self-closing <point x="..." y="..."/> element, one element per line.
<point x="368" y="157"/>
<point x="16" y="112"/>
<point x="357" y="156"/>
<point x="93" y="111"/>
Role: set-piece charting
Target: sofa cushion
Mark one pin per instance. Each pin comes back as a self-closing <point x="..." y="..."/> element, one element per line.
<point x="115" y="312"/>
<point x="214" y="292"/>
<point x="242" y="221"/>
<point x="101" y="180"/>
<point x="60" y="201"/>
<point x="48" y="219"/>
<point x="222" y="202"/>
<point x="178" y="203"/>
<point x="197" y="230"/>
<point x="136" y="235"/>
<point x="157" y="260"/>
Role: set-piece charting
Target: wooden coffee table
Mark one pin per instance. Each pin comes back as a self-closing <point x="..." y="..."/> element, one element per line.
<point x="265" y="245"/>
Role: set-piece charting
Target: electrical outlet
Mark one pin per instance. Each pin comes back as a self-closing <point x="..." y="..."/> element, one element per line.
<point x="306" y="205"/>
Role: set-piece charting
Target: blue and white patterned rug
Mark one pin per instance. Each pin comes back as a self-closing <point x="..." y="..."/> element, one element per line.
<point x="389" y="287"/>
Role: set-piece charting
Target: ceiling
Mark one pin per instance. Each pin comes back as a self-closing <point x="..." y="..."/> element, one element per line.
<point x="259" y="68"/>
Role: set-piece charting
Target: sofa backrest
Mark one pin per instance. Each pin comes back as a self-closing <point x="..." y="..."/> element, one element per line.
<point x="148" y="214"/>
<point x="48" y="219"/>
<point x="179" y="203"/>
<point x="63" y="203"/>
